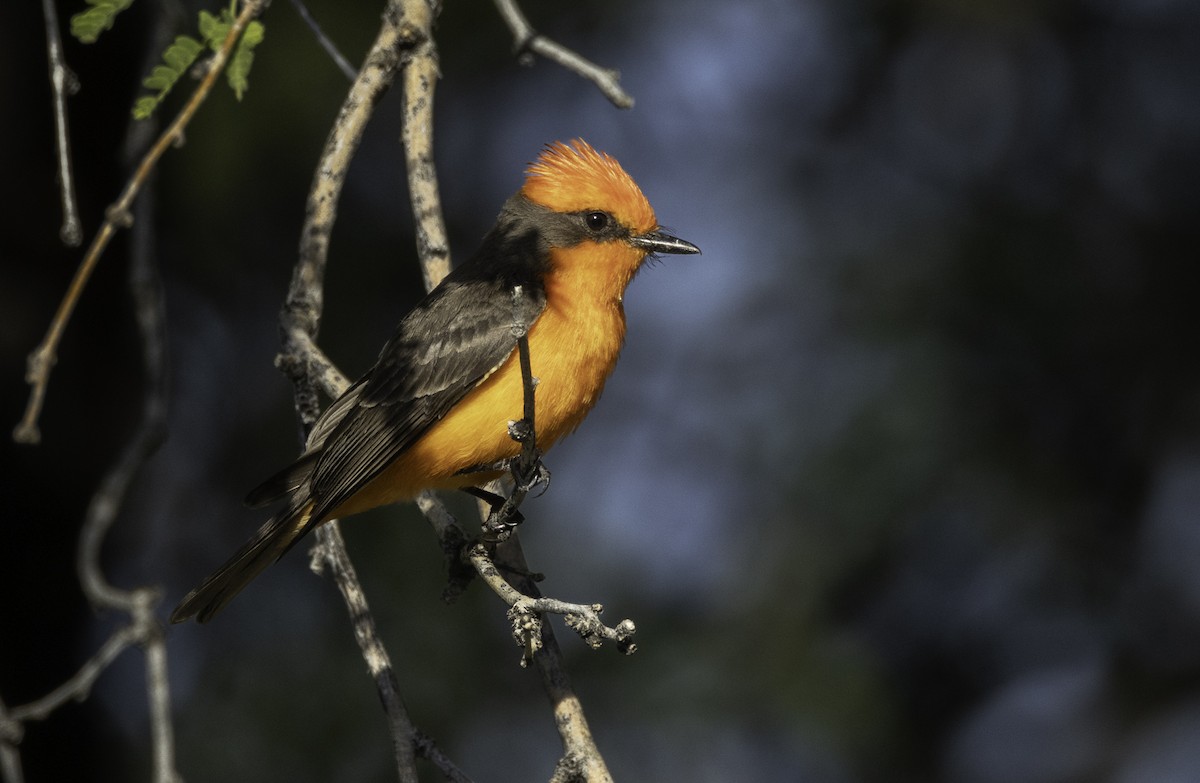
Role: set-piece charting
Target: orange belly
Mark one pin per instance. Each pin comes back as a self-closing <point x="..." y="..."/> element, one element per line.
<point x="571" y="354"/>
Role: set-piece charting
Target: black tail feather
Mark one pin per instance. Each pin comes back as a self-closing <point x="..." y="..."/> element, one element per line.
<point x="274" y="538"/>
<point x="284" y="483"/>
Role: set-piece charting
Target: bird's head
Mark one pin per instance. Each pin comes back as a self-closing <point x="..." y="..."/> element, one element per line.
<point x="591" y="187"/>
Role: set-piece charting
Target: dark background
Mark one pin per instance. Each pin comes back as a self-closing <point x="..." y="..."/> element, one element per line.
<point x="899" y="479"/>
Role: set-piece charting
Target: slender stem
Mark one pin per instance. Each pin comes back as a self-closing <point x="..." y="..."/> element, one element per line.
<point x="11" y="732"/>
<point x="527" y="41"/>
<point x="79" y="685"/>
<point x="329" y="46"/>
<point x="62" y="83"/>
<point x="332" y="551"/>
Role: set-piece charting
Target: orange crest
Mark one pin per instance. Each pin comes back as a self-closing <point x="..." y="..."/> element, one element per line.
<point x="575" y="177"/>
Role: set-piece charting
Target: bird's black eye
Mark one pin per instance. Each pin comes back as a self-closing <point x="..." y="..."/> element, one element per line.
<point x="597" y="221"/>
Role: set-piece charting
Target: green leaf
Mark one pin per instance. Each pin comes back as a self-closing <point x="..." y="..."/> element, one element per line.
<point x="178" y="57"/>
<point x="161" y="78"/>
<point x="87" y="25"/>
<point x="238" y="72"/>
<point x="144" y="107"/>
<point x="213" y="29"/>
<point x="181" y="56"/>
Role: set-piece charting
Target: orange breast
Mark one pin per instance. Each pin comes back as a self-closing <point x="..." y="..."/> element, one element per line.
<point x="573" y="348"/>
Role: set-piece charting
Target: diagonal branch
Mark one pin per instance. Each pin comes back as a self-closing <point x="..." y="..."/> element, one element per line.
<point x="527" y="42"/>
<point x="41" y="360"/>
<point x="329" y="46"/>
<point x="332" y="552"/>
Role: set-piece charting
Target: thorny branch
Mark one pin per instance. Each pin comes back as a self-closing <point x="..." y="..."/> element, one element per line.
<point x="528" y="42"/>
<point x="41" y="360"/>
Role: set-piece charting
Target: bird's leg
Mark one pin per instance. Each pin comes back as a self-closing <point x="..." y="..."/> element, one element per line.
<point x="502" y="520"/>
<point x="495" y="503"/>
<point x="528" y="470"/>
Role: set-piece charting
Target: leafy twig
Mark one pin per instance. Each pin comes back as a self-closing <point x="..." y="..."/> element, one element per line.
<point x="100" y="16"/>
<point x="41" y="360"/>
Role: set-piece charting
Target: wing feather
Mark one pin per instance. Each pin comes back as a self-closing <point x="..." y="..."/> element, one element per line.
<point x="453" y="339"/>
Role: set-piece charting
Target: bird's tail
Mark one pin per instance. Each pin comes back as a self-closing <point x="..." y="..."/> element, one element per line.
<point x="274" y="538"/>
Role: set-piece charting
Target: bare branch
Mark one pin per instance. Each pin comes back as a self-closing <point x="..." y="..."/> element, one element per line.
<point x="431" y="752"/>
<point x="406" y="25"/>
<point x="420" y="77"/>
<point x="310" y="362"/>
<point x="80" y="685"/>
<point x="158" y="693"/>
<point x="581" y="759"/>
<point x="584" y="619"/>
<point x="149" y="310"/>
<point x="329" y="46"/>
<point x="41" y="360"/>
<point x="62" y="84"/>
<point x="332" y="551"/>
<point x="527" y="41"/>
<point x="140" y="603"/>
<point x="11" y="732"/>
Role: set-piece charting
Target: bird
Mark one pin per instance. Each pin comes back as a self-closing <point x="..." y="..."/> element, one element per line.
<point x="434" y="410"/>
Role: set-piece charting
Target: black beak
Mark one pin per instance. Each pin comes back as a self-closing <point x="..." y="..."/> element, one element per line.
<point x="658" y="242"/>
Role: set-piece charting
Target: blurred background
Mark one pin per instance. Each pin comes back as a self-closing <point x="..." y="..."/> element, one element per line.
<point x="899" y="480"/>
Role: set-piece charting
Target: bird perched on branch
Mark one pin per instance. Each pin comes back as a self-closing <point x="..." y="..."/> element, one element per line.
<point x="434" y="410"/>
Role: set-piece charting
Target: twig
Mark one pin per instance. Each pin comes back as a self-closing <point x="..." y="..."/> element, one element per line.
<point x="332" y="551"/>
<point x="329" y="46"/>
<point x="581" y="759"/>
<point x="42" y="359"/>
<point x="80" y="685"/>
<point x="433" y="247"/>
<point x="62" y="83"/>
<point x="527" y="41"/>
<point x="524" y="609"/>
<point x="11" y="732"/>
<point x="143" y="628"/>
<point x="146" y="290"/>
<point x="150" y="311"/>
<point x="307" y="360"/>
<point x="429" y="751"/>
